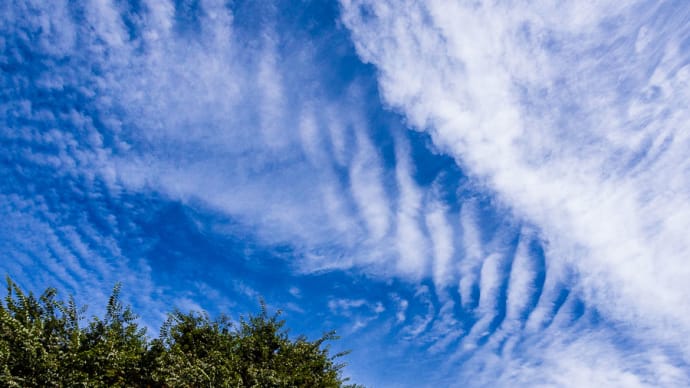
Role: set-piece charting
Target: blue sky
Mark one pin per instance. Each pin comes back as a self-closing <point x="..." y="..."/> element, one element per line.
<point x="471" y="194"/>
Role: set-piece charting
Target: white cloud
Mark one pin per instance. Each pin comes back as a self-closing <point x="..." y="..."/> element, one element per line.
<point x="401" y="304"/>
<point x="419" y="322"/>
<point x="522" y="287"/>
<point x="295" y="291"/>
<point x="220" y="119"/>
<point x="492" y="276"/>
<point x="574" y="114"/>
<point x="76" y="257"/>
<point x="360" y="312"/>
<point x="212" y="119"/>
<point x="441" y="233"/>
<point x="344" y="306"/>
<point x="411" y="240"/>
<point x="367" y="188"/>
<point x="473" y="253"/>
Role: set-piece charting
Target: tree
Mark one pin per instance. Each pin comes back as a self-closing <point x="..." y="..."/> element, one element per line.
<point x="196" y="351"/>
<point x="113" y="347"/>
<point x="32" y="338"/>
<point x="43" y="344"/>
<point x="268" y="358"/>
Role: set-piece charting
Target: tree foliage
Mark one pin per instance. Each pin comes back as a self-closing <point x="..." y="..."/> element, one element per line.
<point x="43" y="343"/>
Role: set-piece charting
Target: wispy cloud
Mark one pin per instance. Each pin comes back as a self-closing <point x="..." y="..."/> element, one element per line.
<point x="575" y="117"/>
<point x="570" y="122"/>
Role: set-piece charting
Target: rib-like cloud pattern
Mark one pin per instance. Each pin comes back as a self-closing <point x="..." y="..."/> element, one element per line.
<point x="484" y="194"/>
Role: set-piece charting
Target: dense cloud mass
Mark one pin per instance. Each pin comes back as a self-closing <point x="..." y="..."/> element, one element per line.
<point x="497" y="188"/>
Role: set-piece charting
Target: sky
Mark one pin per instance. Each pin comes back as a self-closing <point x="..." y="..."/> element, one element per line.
<point x="484" y="193"/>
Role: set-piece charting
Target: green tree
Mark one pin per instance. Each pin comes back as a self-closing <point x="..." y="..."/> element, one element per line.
<point x="268" y="358"/>
<point x="113" y="347"/>
<point x="31" y="338"/>
<point x="196" y="351"/>
<point x="43" y="345"/>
